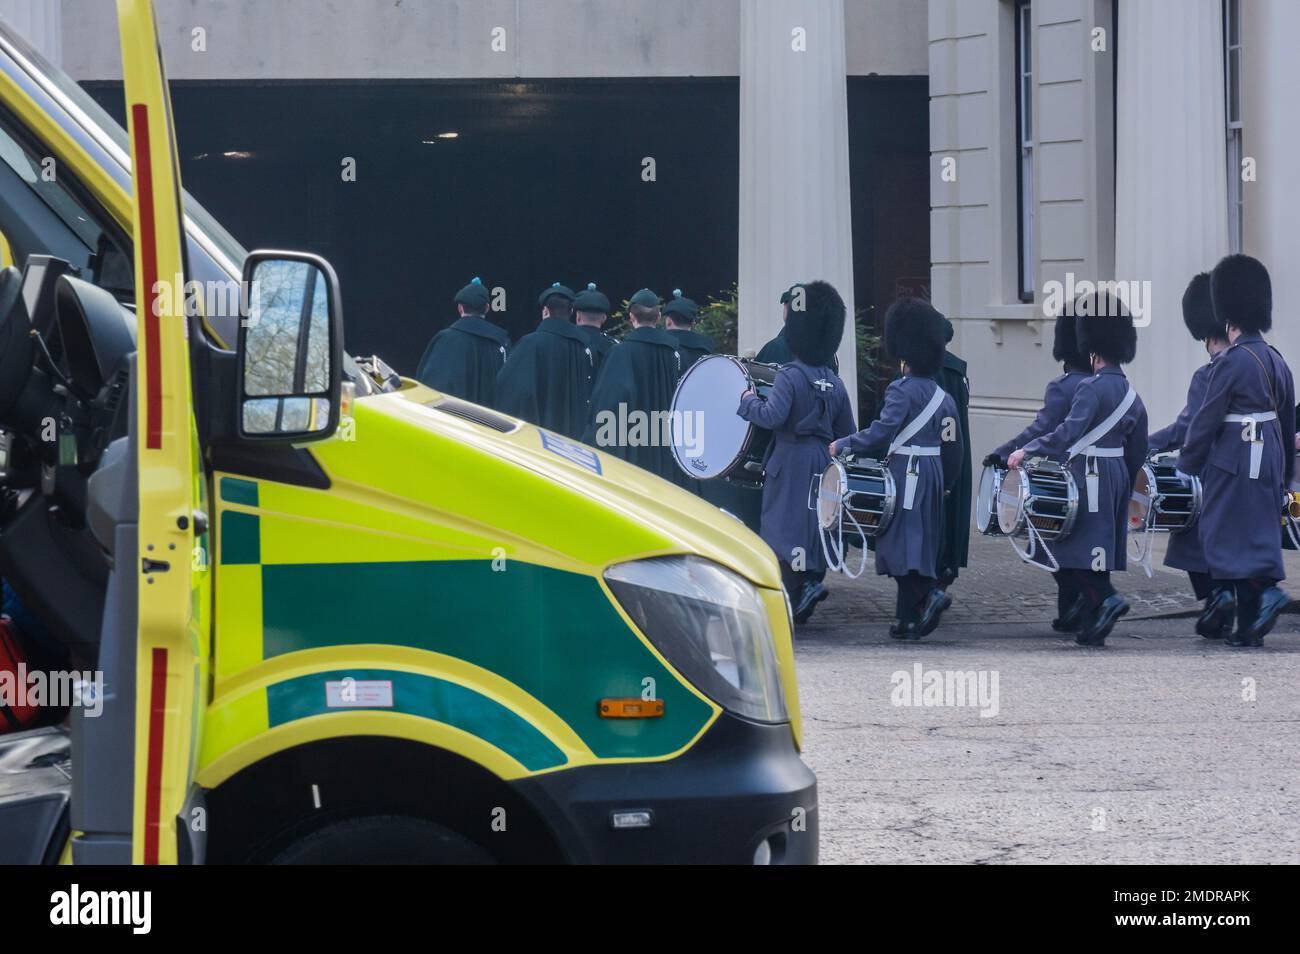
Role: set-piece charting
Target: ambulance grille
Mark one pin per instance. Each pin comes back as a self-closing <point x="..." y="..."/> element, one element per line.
<point x="478" y="415"/>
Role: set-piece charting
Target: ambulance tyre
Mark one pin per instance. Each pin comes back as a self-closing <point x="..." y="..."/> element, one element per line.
<point x="383" y="839"/>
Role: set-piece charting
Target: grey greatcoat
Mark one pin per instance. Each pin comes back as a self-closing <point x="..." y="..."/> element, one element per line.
<point x="1056" y="405"/>
<point x="1185" y="551"/>
<point x="803" y="421"/>
<point x="1241" y="516"/>
<point x="910" y="544"/>
<point x="1099" y="539"/>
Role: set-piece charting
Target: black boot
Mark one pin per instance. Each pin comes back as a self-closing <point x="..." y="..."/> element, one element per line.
<point x="1215" y="620"/>
<point x="898" y="629"/>
<point x="812" y="594"/>
<point x="1071" y="621"/>
<point x="1269" y="606"/>
<point x="1103" y="621"/>
<point x="935" y="603"/>
<point x="1248" y="599"/>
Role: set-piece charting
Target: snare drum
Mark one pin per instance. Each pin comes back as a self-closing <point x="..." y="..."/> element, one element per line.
<point x="864" y="490"/>
<point x="986" y="501"/>
<point x="1163" y="500"/>
<point x="1042" y="494"/>
<point x="710" y="440"/>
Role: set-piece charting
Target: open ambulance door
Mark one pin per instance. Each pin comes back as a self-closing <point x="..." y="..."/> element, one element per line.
<point x="170" y="642"/>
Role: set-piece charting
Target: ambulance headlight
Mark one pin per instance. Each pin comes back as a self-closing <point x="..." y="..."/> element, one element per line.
<point x="711" y="625"/>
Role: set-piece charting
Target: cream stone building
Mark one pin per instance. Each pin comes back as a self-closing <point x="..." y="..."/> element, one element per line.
<point x="1069" y="140"/>
<point x="1109" y="140"/>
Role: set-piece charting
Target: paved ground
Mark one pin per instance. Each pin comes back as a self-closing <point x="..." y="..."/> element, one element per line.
<point x="1161" y="747"/>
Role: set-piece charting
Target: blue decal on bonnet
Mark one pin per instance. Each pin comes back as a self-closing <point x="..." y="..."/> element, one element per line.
<point x="571" y="451"/>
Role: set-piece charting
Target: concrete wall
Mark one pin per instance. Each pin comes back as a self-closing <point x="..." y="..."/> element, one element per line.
<point x="454" y="39"/>
<point x="1271" y="136"/>
<point x="973" y="224"/>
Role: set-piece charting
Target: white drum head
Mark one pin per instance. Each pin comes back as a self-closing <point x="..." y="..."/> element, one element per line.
<point x="986" y="499"/>
<point x="830" y="495"/>
<point x="708" y="435"/>
<point x="1139" y="504"/>
<point x="1010" y="502"/>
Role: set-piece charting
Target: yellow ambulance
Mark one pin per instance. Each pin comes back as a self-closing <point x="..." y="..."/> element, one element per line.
<point x="321" y="612"/>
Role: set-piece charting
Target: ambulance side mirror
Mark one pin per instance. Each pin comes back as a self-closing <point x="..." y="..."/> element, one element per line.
<point x="290" y="348"/>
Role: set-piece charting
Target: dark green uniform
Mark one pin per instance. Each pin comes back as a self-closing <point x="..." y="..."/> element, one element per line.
<point x="632" y="396"/>
<point x="600" y="344"/>
<point x="691" y="345"/>
<point x="955" y="542"/>
<point x="592" y="301"/>
<point x="548" y="378"/>
<point x="464" y="359"/>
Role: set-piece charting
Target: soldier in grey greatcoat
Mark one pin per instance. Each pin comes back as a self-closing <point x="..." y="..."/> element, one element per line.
<point x="918" y="432"/>
<point x="1103" y="441"/>
<point x="1240" y="443"/>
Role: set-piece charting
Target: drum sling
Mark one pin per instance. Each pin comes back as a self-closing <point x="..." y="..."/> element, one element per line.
<point x="1250" y="431"/>
<point x="1087" y="445"/>
<point x="913" y="451"/>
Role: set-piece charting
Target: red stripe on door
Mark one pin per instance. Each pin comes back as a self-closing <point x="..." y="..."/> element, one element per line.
<point x="148" y="253"/>
<point x="154" y="765"/>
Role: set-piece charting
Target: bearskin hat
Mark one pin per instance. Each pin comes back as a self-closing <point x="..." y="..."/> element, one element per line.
<point x="1104" y="327"/>
<point x="1065" y="344"/>
<point x="915" y="333"/>
<point x="1198" y="310"/>
<point x="813" y="332"/>
<point x="1242" y="293"/>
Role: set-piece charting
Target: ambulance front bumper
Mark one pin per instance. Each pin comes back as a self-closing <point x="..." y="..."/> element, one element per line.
<point x="740" y="795"/>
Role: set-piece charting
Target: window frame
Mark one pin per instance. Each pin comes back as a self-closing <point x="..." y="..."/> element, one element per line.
<point x="1024" y="139"/>
<point x="1233" y="134"/>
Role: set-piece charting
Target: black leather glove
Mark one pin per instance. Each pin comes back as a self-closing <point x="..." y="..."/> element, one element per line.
<point x="993" y="460"/>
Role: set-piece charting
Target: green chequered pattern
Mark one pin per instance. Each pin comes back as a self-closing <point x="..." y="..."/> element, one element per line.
<point x="237" y="491"/>
<point x="552" y="633"/>
<point x="241" y="533"/>
<point x="241" y="538"/>
<point x="425" y="696"/>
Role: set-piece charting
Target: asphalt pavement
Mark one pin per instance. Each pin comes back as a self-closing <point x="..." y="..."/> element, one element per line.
<point x="996" y="740"/>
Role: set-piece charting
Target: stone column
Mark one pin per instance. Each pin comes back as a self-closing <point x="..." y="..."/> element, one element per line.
<point x="794" y="163"/>
<point x="1271" y="137"/>
<point x="1171" y="217"/>
<point x="40" y="22"/>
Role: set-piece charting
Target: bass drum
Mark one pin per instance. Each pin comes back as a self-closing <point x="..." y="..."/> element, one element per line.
<point x="986" y="501"/>
<point x="1041" y="494"/>
<point x="1164" y="500"/>
<point x="710" y="440"/>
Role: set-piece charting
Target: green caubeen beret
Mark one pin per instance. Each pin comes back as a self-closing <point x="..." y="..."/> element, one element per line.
<point x="473" y="296"/>
<point x="645" y="298"/>
<point x="591" y="298"/>
<point x="556" y="290"/>
<point x="682" y="307"/>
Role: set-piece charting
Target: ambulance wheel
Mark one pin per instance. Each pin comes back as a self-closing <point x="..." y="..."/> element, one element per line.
<point x="383" y="840"/>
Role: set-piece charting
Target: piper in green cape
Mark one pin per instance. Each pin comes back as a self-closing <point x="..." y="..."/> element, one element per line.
<point x="680" y="315"/>
<point x="954" y="545"/>
<point x="630" y="406"/>
<point x="464" y="358"/>
<point x="591" y="309"/>
<point x="547" y="379"/>
<point x="777" y="351"/>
